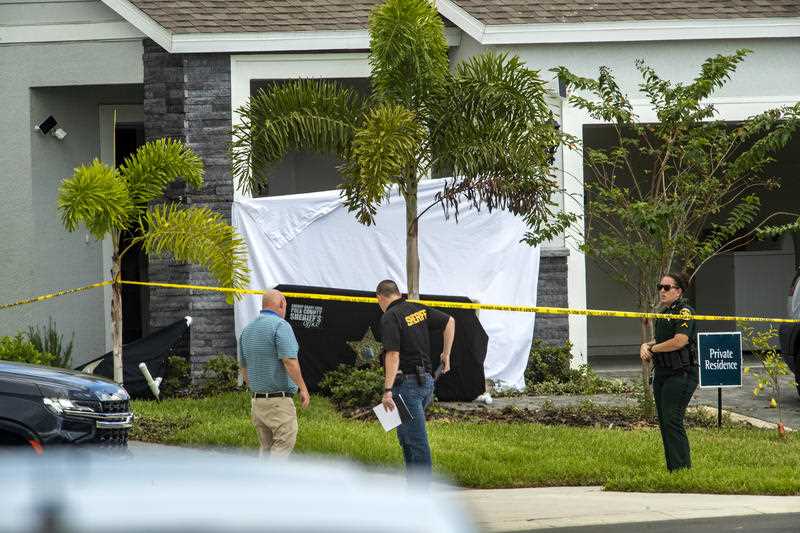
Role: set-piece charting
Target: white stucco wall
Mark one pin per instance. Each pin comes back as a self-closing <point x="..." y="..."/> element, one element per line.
<point x="68" y="80"/>
<point x="771" y="72"/>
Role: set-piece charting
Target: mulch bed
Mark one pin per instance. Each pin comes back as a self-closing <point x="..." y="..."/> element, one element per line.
<point x="585" y="415"/>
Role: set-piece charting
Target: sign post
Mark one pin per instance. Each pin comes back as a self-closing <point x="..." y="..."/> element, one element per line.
<point x="719" y="356"/>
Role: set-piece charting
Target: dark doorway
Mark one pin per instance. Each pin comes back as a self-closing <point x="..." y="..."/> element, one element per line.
<point x="129" y="137"/>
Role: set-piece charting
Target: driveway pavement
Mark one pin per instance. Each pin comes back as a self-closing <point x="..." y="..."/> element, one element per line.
<point x="738" y="400"/>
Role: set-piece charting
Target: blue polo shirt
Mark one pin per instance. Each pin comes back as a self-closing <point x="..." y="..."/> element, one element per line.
<point x="262" y="344"/>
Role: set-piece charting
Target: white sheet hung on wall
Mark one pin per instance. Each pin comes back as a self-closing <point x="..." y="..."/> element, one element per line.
<point x="311" y="239"/>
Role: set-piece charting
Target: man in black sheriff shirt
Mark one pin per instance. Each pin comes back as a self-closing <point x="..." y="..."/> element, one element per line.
<point x="405" y="334"/>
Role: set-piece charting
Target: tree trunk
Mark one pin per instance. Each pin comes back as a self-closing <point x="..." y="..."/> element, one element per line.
<point x="412" y="242"/>
<point x="116" y="318"/>
<point x="646" y="336"/>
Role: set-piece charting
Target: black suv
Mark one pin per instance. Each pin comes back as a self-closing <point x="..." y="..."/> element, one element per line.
<point x="42" y="406"/>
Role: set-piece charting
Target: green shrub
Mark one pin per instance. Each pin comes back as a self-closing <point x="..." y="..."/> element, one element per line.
<point x="582" y="380"/>
<point x="356" y="386"/>
<point x="549" y="373"/>
<point x="220" y="374"/>
<point x="47" y="339"/>
<point x="177" y="378"/>
<point x="18" y="348"/>
<point x="351" y="387"/>
<point x="549" y="363"/>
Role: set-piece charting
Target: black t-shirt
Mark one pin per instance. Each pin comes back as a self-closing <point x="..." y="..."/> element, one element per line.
<point x="405" y="328"/>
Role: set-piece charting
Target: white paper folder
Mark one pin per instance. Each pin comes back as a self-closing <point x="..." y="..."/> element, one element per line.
<point x="391" y="419"/>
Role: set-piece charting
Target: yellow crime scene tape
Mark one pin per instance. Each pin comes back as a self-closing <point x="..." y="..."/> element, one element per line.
<point x="431" y="303"/>
<point x="464" y="305"/>
<point x="52" y="295"/>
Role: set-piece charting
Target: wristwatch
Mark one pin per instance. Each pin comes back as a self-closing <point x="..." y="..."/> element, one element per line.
<point x="387" y="390"/>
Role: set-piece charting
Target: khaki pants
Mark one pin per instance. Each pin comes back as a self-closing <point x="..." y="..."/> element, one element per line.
<point x="275" y="420"/>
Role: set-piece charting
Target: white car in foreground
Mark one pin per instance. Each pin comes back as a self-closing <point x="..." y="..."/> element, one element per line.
<point x="182" y="490"/>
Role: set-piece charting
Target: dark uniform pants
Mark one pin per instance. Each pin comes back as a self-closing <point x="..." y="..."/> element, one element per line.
<point x="672" y="391"/>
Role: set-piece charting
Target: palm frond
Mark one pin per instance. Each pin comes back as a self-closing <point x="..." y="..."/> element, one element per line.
<point x="155" y="165"/>
<point x="383" y="150"/>
<point x="494" y="130"/>
<point x="200" y="236"/>
<point x="492" y="98"/>
<point x="497" y="86"/>
<point x="408" y="51"/>
<point x="319" y="116"/>
<point x="96" y="196"/>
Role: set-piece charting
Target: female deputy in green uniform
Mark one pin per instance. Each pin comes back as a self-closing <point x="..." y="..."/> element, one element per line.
<point x="675" y="374"/>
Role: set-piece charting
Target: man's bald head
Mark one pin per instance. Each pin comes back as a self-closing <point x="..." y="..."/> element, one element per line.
<point x="274" y="301"/>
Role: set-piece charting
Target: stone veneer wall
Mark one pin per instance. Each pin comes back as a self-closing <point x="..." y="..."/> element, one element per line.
<point x="188" y="97"/>
<point x="552" y="292"/>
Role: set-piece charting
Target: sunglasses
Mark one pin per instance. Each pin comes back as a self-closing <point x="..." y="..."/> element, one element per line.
<point x="666" y="287"/>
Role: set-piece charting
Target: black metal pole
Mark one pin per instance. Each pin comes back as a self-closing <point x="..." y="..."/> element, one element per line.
<point x="719" y="407"/>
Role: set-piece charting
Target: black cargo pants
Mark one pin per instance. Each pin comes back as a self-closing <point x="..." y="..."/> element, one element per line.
<point x="672" y="390"/>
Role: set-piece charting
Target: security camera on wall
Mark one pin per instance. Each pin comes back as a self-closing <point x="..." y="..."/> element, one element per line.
<point x="50" y="126"/>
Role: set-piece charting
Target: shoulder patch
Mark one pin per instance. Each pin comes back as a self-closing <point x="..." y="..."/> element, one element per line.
<point x="685" y="312"/>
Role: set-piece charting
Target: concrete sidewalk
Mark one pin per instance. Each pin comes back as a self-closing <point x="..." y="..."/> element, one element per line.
<point x="507" y="510"/>
<point x="737" y="400"/>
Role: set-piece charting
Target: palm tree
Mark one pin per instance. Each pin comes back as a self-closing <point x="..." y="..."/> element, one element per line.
<point x="487" y="123"/>
<point x="112" y="200"/>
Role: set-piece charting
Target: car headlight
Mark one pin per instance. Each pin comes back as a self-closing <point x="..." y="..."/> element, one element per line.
<point x="58" y="405"/>
<point x="119" y="395"/>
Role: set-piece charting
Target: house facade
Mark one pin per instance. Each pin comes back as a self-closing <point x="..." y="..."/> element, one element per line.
<point x="115" y="73"/>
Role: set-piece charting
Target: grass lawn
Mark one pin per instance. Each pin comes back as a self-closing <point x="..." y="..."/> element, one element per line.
<point x="493" y="455"/>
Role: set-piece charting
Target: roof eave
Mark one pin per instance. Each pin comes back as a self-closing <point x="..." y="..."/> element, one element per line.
<point x="649" y="30"/>
<point x="622" y="31"/>
<point x="142" y="22"/>
<point x="299" y="41"/>
<point x="178" y="43"/>
<point x="585" y="32"/>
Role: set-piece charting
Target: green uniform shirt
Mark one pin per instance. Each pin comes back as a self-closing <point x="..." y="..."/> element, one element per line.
<point x="667" y="328"/>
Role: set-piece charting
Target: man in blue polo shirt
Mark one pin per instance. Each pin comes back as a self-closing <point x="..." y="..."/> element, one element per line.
<point x="269" y="366"/>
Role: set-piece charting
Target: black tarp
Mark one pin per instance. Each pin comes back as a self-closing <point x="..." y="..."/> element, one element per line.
<point x="324" y="327"/>
<point x="153" y="350"/>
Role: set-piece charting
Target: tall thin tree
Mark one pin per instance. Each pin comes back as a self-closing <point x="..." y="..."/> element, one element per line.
<point x="487" y="123"/>
<point x="675" y="193"/>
